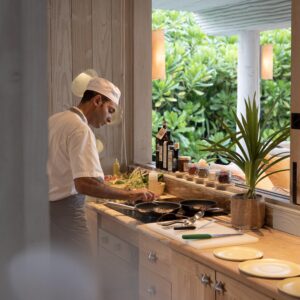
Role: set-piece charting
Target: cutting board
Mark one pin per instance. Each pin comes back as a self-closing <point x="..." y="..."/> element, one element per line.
<point x="209" y="243"/>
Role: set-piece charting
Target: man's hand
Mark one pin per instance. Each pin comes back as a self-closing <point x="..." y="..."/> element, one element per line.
<point x="142" y="194"/>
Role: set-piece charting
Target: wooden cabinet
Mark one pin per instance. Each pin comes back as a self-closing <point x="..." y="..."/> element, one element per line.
<point x="139" y="267"/>
<point x="192" y="280"/>
<point x="230" y="289"/>
<point x="153" y="287"/>
<point x="118" y="265"/>
<point x="154" y="270"/>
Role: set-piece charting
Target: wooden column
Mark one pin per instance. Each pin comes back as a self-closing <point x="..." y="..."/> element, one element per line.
<point x="295" y="102"/>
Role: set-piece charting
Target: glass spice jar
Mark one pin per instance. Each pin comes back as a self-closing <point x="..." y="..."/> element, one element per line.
<point x="224" y="177"/>
<point x="202" y="172"/>
<point x="213" y="175"/>
<point x="183" y="163"/>
<point x="192" y="169"/>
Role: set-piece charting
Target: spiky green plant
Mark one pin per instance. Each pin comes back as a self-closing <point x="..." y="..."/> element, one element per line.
<point x="248" y="149"/>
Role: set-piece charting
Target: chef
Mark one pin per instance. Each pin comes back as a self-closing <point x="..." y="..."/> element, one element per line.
<point x="74" y="168"/>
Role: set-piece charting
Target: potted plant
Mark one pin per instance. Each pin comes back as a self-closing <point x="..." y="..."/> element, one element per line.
<point x="250" y="151"/>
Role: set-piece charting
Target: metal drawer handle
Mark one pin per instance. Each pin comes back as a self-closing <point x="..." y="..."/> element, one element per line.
<point x="220" y="287"/>
<point x="151" y="291"/>
<point x="205" y="279"/>
<point x="152" y="257"/>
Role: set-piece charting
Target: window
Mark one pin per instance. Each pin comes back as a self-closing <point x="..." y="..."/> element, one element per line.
<point x="201" y="86"/>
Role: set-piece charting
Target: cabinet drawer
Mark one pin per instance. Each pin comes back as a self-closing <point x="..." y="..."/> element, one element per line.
<point x="191" y="280"/>
<point x="155" y="256"/>
<point x="153" y="287"/>
<point x="234" y="290"/>
<point x="117" y="246"/>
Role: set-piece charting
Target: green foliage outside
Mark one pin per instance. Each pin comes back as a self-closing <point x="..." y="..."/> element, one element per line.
<point x="201" y="82"/>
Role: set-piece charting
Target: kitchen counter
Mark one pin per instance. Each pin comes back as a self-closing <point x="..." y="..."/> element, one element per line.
<point x="273" y="243"/>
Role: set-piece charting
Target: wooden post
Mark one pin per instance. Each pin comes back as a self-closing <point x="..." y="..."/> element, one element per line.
<point x="295" y="103"/>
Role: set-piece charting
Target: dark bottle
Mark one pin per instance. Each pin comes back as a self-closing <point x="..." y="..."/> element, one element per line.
<point x="170" y="157"/>
<point x="166" y="143"/>
<point x="159" y="145"/>
<point x="175" y="157"/>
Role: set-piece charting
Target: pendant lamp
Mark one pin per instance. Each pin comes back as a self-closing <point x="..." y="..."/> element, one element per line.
<point x="158" y="55"/>
<point x="267" y="61"/>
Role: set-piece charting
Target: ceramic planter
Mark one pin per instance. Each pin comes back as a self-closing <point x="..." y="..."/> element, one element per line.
<point x="247" y="213"/>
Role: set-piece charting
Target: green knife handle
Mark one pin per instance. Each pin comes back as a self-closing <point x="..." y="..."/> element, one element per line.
<point x="202" y="236"/>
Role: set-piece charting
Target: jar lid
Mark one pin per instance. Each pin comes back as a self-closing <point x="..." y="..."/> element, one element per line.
<point x="185" y="157"/>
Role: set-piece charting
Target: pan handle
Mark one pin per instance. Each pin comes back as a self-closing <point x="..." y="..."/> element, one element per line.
<point x="120" y="205"/>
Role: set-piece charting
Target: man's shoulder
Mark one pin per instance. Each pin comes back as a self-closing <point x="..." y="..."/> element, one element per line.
<point x="68" y="121"/>
<point x="67" y="117"/>
<point x="59" y="115"/>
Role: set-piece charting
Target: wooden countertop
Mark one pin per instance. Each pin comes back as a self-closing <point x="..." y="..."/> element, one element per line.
<point x="273" y="243"/>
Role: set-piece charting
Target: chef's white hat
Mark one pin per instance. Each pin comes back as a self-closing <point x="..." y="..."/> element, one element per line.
<point x="104" y="87"/>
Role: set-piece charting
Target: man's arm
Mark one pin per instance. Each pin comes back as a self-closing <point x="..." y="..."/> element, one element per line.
<point x="95" y="187"/>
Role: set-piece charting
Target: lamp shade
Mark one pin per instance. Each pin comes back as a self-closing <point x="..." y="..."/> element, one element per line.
<point x="267" y="61"/>
<point x="158" y="55"/>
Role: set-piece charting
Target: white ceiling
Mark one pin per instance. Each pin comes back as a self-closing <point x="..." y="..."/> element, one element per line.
<point x="191" y="5"/>
<point x="231" y="16"/>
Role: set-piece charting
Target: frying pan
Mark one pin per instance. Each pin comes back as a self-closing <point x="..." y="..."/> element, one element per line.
<point x="194" y="205"/>
<point x="154" y="208"/>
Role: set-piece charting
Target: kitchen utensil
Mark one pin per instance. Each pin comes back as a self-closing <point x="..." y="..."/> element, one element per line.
<point x="186" y="227"/>
<point x="188" y="221"/>
<point x="193" y="206"/>
<point x="206" y="224"/>
<point x="270" y="268"/>
<point x="244" y="239"/>
<point x="204" y="236"/>
<point x="290" y="286"/>
<point x="154" y="208"/>
<point x="238" y="253"/>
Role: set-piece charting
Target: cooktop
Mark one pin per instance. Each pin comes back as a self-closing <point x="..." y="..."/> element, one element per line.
<point x="146" y="218"/>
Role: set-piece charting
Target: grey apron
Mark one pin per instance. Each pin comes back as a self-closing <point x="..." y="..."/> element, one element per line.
<point x="68" y="225"/>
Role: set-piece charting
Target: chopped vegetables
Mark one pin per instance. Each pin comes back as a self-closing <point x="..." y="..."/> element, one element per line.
<point x="136" y="180"/>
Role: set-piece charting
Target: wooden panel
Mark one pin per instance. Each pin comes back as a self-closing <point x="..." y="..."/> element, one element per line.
<point x="81" y="38"/>
<point x="153" y="287"/>
<point x="128" y="110"/>
<point x="142" y="82"/>
<point x="92" y="222"/>
<point x="234" y="290"/>
<point x="101" y="27"/>
<point x="102" y="62"/>
<point x="49" y="58"/>
<point x="118" y="247"/>
<point x="119" y="230"/>
<point x="161" y="256"/>
<point x="118" y="74"/>
<point x="295" y="94"/>
<point x="186" y="279"/>
<point x="118" y="278"/>
<point x="61" y="55"/>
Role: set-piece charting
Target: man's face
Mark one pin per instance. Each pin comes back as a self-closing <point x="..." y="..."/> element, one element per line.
<point x="103" y="112"/>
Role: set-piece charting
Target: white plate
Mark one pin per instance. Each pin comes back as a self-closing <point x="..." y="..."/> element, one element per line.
<point x="270" y="268"/>
<point x="290" y="286"/>
<point x="238" y="253"/>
